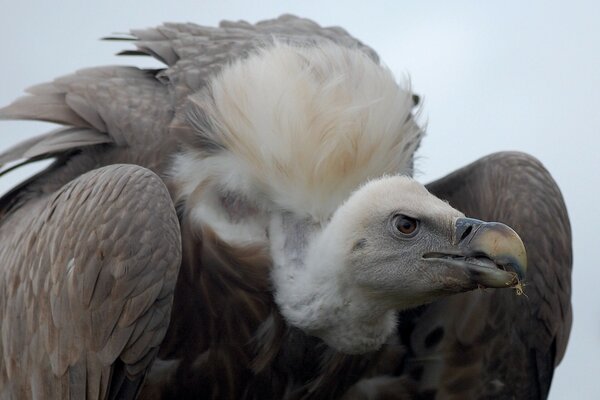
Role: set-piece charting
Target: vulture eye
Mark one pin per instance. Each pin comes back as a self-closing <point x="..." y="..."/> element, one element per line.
<point x="404" y="225"/>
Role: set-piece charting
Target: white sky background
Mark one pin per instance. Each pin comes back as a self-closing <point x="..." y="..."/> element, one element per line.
<point x="511" y="76"/>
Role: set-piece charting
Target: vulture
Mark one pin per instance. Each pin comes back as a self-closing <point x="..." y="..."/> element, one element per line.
<point x="243" y="224"/>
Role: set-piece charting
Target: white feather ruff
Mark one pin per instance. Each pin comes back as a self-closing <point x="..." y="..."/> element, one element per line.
<point x="302" y="128"/>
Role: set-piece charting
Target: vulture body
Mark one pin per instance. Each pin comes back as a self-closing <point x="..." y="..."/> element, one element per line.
<point x="241" y="224"/>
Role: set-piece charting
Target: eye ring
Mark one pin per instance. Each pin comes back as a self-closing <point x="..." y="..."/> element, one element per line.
<point x="404" y="226"/>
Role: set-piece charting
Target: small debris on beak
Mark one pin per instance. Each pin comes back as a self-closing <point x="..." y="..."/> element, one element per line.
<point x="520" y="288"/>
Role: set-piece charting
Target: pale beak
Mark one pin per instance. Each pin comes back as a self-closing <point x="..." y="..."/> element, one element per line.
<point x="491" y="254"/>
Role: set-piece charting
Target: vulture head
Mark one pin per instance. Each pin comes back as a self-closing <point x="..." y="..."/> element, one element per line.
<point x="307" y="150"/>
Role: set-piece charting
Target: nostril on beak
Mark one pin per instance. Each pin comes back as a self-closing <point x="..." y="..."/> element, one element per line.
<point x="466" y="233"/>
<point x="464" y="228"/>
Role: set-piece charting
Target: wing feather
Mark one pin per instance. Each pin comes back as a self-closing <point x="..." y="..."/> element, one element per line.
<point x="92" y="319"/>
<point x="82" y="107"/>
<point x="43" y="107"/>
<point x="193" y="53"/>
<point x="62" y="140"/>
<point x="123" y="108"/>
<point x="496" y="344"/>
<point x="98" y="105"/>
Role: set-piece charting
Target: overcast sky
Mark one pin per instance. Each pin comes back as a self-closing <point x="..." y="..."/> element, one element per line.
<point x="517" y="75"/>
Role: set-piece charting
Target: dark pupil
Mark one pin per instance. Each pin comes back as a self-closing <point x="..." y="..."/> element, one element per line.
<point x="406" y="225"/>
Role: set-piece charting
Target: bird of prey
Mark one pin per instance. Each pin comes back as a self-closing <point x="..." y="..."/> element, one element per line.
<point x="242" y="224"/>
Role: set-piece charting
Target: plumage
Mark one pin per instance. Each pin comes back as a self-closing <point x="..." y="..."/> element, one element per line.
<point x="57" y="141"/>
<point x="241" y="224"/>
<point x="86" y="311"/>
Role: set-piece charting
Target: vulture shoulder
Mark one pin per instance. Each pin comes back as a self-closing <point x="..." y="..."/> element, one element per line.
<point x="496" y="344"/>
<point x="87" y="286"/>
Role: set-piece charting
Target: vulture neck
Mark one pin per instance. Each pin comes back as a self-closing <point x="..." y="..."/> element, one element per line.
<point x="315" y="294"/>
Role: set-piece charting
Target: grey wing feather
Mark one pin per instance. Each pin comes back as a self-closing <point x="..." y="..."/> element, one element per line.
<point x="87" y="286"/>
<point x="43" y="107"/>
<point x="57" y="141"/>
<point x="125" y="109"/>
<point x="496" y="344"/>
<point x="105" y="103"/>
<point x="193" y="53"/>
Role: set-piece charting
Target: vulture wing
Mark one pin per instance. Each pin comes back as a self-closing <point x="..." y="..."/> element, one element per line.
<point x="111" y="115"/>
<point x="497" y="344"/>
<point x="88" y="279"/>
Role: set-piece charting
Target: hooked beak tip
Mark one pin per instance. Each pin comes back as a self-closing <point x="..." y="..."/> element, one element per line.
<point x="497" y="242"/>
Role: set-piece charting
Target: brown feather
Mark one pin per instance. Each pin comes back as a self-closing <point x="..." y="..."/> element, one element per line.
<point x="45" y="107"/>
<point x="64" y="328"/>
<point x="496" y="344"/>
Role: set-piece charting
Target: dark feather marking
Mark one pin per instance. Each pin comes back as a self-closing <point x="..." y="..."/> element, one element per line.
<point x="121" y="386"/>
<point x="126" y="38"/>
<point x="201" y="134"/>
<point x="359" y="244"/>
<point x="13" y="198"/>
<point x="18" y="165"/>
<point x="133" y="53"/>
<point x="180" y="208"/>
<point x="416" y="99"/>
<point x="428" y="395"/>
<point x="416" y="372"/>
<point x="434" y="337"/>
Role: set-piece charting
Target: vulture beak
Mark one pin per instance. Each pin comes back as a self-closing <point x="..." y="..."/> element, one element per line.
<point x="490" y="253"/>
